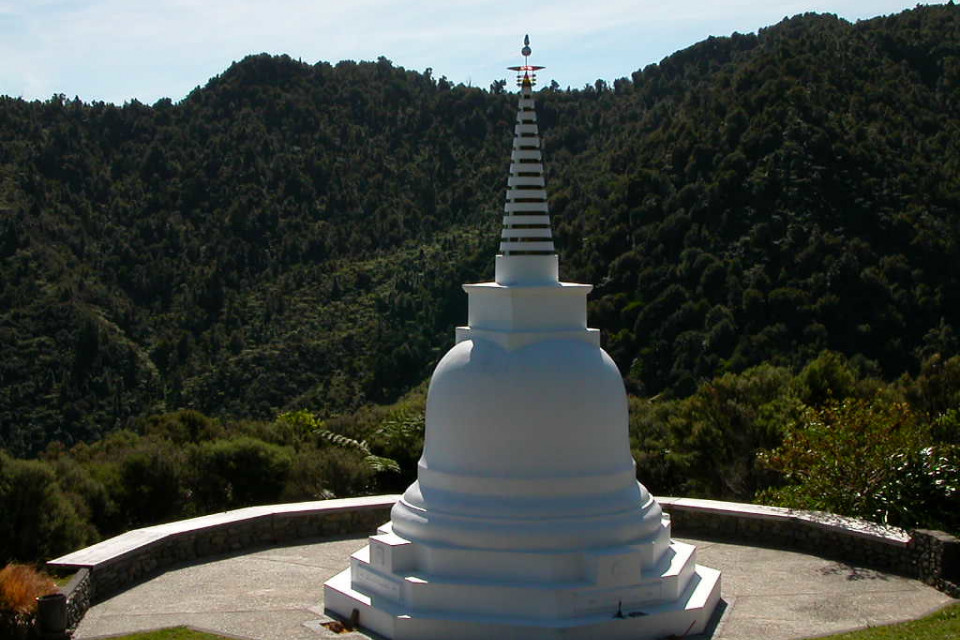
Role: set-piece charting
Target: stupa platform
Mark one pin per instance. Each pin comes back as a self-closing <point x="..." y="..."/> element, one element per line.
<point x="276" y="594"/>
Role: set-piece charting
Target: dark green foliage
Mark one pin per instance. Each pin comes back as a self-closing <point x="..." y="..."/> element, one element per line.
<point x="400" y="438"/>
<point x="150" y="483"/>
<point x="239" y="472"/>
<point x="831" y="437"/>
<point x="287" y="236"/>
<point x="38" y="520"/>
<point x="706" y="445"/>
<point x="828" y="377"/>
<point x="293" y="236"/>
<point x="188" y="426"/>
<point x="178" y="466"/>
<point x="326" y="473"/>
<point x="872" y="459"/>
<point x="937" y="388"/>
<point x="762" y="198"/>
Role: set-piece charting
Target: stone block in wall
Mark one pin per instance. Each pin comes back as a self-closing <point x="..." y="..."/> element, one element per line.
<point x="283" y="528"/>
<point x="183" y="547"/>
<point x="106" y="581"/>
<point x="203" y="546"/>
<point x="297" y="526"/>
<point x="371" y="519"/>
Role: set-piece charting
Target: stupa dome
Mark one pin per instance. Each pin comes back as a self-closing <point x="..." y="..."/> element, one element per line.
<point x="527" y="448"/>
<point x="552" y="408"/>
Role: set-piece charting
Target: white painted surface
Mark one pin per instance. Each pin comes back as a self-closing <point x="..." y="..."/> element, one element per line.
<point x="527" y="270"/>
<point x="556" y="307"/>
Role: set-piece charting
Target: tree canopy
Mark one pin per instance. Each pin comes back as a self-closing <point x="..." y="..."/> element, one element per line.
<point x="294" y="236"/>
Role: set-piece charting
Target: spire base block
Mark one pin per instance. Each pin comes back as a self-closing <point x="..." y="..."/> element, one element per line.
<point x="540" y="310"/>
<point x="512" y="270"/>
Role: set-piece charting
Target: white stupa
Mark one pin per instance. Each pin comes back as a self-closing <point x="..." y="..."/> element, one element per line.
<point x="527" y="520"/>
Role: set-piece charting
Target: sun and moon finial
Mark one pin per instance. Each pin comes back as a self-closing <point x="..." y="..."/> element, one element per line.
<point x="526" y="74"/>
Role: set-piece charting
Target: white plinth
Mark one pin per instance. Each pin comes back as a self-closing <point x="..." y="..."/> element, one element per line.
<point x="405" y="590"/>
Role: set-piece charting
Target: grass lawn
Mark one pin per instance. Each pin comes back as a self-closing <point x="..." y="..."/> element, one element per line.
<point x="63" y="580"/>
<point x="943" y="625"/>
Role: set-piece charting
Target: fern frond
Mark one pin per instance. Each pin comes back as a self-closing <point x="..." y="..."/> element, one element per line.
<point x="344" y="442"/>
<point x="380" y="465"/>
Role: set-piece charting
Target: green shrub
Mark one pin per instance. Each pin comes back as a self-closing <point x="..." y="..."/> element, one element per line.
<point x="88" y="495"/>
<point x="239" y="472"/>
<point x="937" y="389"/>
<point x="319" y="474"/>
<point x="719" y="430"/>
<point x="828" y="377"/>
<point x="182" y="427"/>
<point x="400" y="438"/>
<point x="152" y="485"/>
<point x="292" y="428"/>
<point x="871" y="459"/>
<point x="38" y="520"/>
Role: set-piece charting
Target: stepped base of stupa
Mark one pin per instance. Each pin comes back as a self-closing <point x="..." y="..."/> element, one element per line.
<point x="420" y="591"/>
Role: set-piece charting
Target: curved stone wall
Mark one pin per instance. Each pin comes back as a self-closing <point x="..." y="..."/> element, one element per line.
<point x="115" y="564"/>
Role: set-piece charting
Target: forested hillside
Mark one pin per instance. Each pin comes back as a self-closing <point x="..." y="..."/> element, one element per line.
<point x="295" y="236"/>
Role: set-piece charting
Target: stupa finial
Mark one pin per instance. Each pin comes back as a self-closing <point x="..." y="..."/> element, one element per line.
<point x="526" y="73"/>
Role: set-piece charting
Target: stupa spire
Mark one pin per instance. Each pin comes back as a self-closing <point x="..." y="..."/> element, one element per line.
<point x="526" y="221"/>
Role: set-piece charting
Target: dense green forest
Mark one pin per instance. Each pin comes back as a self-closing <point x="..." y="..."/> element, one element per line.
<point x="293" y="237"/>
<point x="830" y="436"/>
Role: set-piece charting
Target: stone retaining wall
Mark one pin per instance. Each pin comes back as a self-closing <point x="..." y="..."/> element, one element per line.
<point x="930" y="556"/>
<point x="938" y="560"/>
<point x="117" y="563"/>
<point x="847" y="539"/>
<point x="79" y="592"/>
<point x="232" y="538"/>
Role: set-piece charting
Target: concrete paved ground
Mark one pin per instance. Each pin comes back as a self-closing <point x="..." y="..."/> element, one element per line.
<point x="276" y="594"/>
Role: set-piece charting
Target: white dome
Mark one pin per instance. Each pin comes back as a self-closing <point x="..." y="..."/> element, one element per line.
<point x="526" y="448"/>
<point x="553" y="408"/>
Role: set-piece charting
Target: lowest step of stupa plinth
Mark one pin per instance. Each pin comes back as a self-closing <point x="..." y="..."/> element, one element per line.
<point x="526" y="520"/>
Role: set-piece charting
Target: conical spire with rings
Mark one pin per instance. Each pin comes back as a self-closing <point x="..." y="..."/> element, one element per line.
<point x="526" y="221"/>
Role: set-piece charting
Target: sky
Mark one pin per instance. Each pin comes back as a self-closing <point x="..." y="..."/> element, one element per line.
<point x="118" y="50"/>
